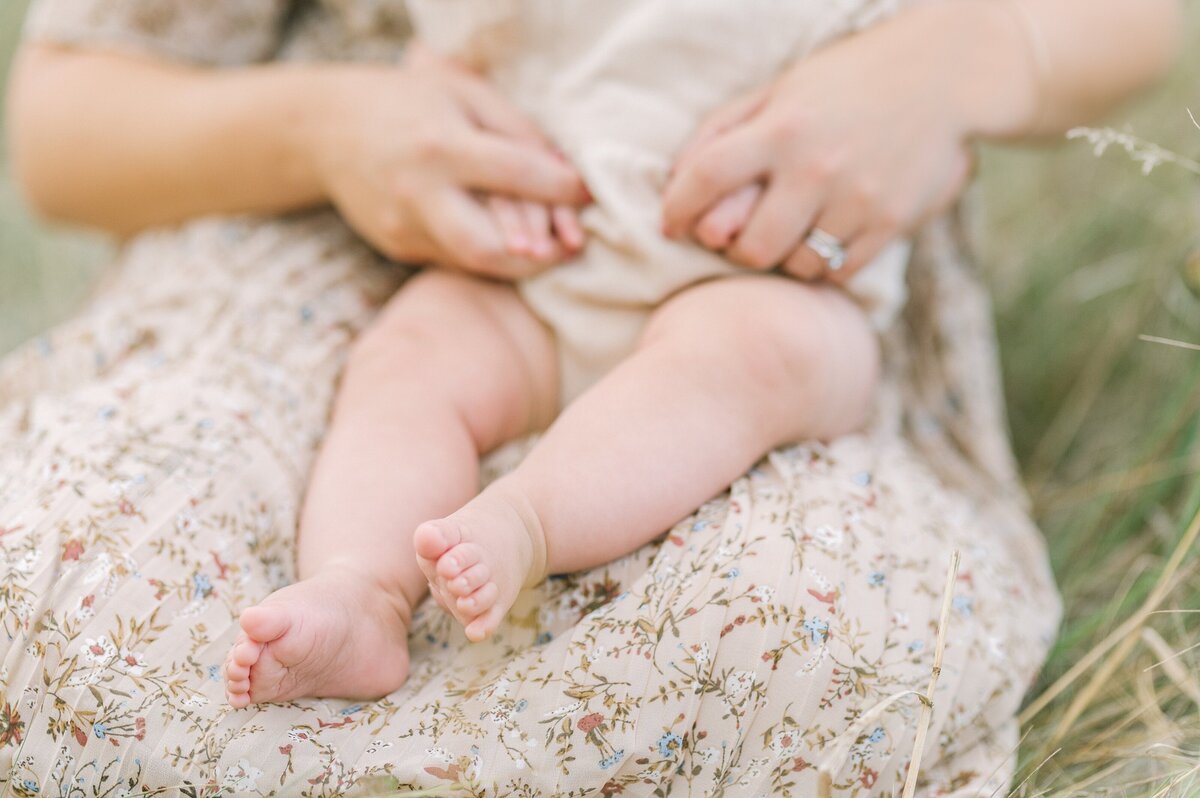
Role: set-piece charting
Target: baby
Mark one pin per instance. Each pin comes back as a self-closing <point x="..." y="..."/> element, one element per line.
<point x="659" y="371"/>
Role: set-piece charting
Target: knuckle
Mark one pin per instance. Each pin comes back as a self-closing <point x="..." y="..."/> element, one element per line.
<point x="429" y="145"/>
<point x="822" y="167"/>
<point x="392" y="226"/>
<point x="789" y="129"/>
<point x="865" y="193"/>
<point x="510" y="170"/>
<point x="707" y="174"/>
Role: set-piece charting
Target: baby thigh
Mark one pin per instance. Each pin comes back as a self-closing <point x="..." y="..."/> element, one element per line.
<point x="459" y="345"/>
<point x="802" y="358"/>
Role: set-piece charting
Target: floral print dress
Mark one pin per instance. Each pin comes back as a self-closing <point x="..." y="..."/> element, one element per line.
<point x="153" y="453"/>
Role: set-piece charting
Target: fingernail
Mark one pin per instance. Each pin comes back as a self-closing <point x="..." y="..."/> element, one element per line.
<point x="587" y="195"/>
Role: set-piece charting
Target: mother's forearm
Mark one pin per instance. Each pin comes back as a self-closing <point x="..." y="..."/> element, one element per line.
<point x="122" y="143"/>
<point x="1036" y="67"/>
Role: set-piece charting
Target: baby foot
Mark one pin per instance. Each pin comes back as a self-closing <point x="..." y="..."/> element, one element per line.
<point x="478" y="559"/>
<point x="337" y="634"/>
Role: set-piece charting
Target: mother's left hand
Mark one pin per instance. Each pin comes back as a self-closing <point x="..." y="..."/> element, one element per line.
<point x="863" y="140"/>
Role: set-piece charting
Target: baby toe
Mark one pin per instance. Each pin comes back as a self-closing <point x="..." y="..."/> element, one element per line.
<point x="470" y="580"/>
<point x="265" y="623"/>
<point x="246" y="653"/>
<point x="480" y="601"/>
<point x="434" y="538"/>
<point x="235" y="672"/>
<point x="482" y="627"/>
<point x="458" y="559"/>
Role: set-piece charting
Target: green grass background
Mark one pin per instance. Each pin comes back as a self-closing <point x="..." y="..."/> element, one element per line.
<point x="1083" y="254"/>
<point x="44" y="274"/>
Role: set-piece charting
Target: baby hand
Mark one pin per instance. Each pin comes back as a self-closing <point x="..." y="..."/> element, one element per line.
<point x="544" y="233"/>
<point x="721" y="225"/>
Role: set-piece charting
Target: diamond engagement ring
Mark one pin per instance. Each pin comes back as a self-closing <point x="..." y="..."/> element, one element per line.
<point x="829" y="247"/>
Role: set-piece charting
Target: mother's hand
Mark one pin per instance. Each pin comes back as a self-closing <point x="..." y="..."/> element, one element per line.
<point x="863" y="140"/>
<point x="403" y="151"/>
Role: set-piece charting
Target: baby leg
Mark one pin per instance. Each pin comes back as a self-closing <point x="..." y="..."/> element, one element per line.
<point x="452" y="368"/>
<point x="725" y="372"/>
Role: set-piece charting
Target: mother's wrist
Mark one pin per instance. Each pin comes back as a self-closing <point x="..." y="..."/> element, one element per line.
<point x="320" y="99"/>
<point x="992" y="62"/>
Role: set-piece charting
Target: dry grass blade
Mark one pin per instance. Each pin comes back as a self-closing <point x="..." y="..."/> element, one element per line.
<point x="1154" y="339"/>
<point x="1125" y="638"/>
<point x="1118" y="638"/>
<point x="1146" y="153"/>
<point x="1169" y="662"/>
<point x="1033" y="773"/>
<point x="914" y="765"/>
<point x="1176" y="782"/>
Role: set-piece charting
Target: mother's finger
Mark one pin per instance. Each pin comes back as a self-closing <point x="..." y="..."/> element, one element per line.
<point x="492" y="111"/>
<point x="464" y="229"/>
<point x="727" y="218"/>
<point x="842" y="219"/>
<point x="720" y="167"/>
<point x="720" y="121"/>
<point x="958" y="177"/>
<point x="862" y="251"/>
<point x="777" y="225"/>
<point x="487" y="162"/>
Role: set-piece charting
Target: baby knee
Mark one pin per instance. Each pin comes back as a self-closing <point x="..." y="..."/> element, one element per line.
<point x="787" y="341"/>
<point x="773" y="328"/>
<point x="428" y="315"/>
<point x="391" y="342"/>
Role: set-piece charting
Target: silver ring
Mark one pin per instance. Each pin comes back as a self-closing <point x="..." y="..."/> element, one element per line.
<point x="829" y="247"/>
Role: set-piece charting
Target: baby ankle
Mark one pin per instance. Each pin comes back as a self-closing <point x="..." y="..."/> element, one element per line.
<point x="520" y="499"/>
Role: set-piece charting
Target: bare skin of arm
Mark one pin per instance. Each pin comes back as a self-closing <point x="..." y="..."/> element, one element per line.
<point x="121" y="142"/>
<point x="1080" y="58"/>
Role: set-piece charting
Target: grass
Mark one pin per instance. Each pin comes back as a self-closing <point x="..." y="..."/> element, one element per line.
<point x="43" y="274"/>
<point x="1084" y="254"/>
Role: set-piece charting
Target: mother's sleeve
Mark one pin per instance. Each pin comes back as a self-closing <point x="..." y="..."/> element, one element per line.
<point x="211" y="32"/>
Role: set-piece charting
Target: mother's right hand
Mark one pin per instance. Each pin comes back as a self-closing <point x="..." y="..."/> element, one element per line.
<point x="403" y="153"/>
